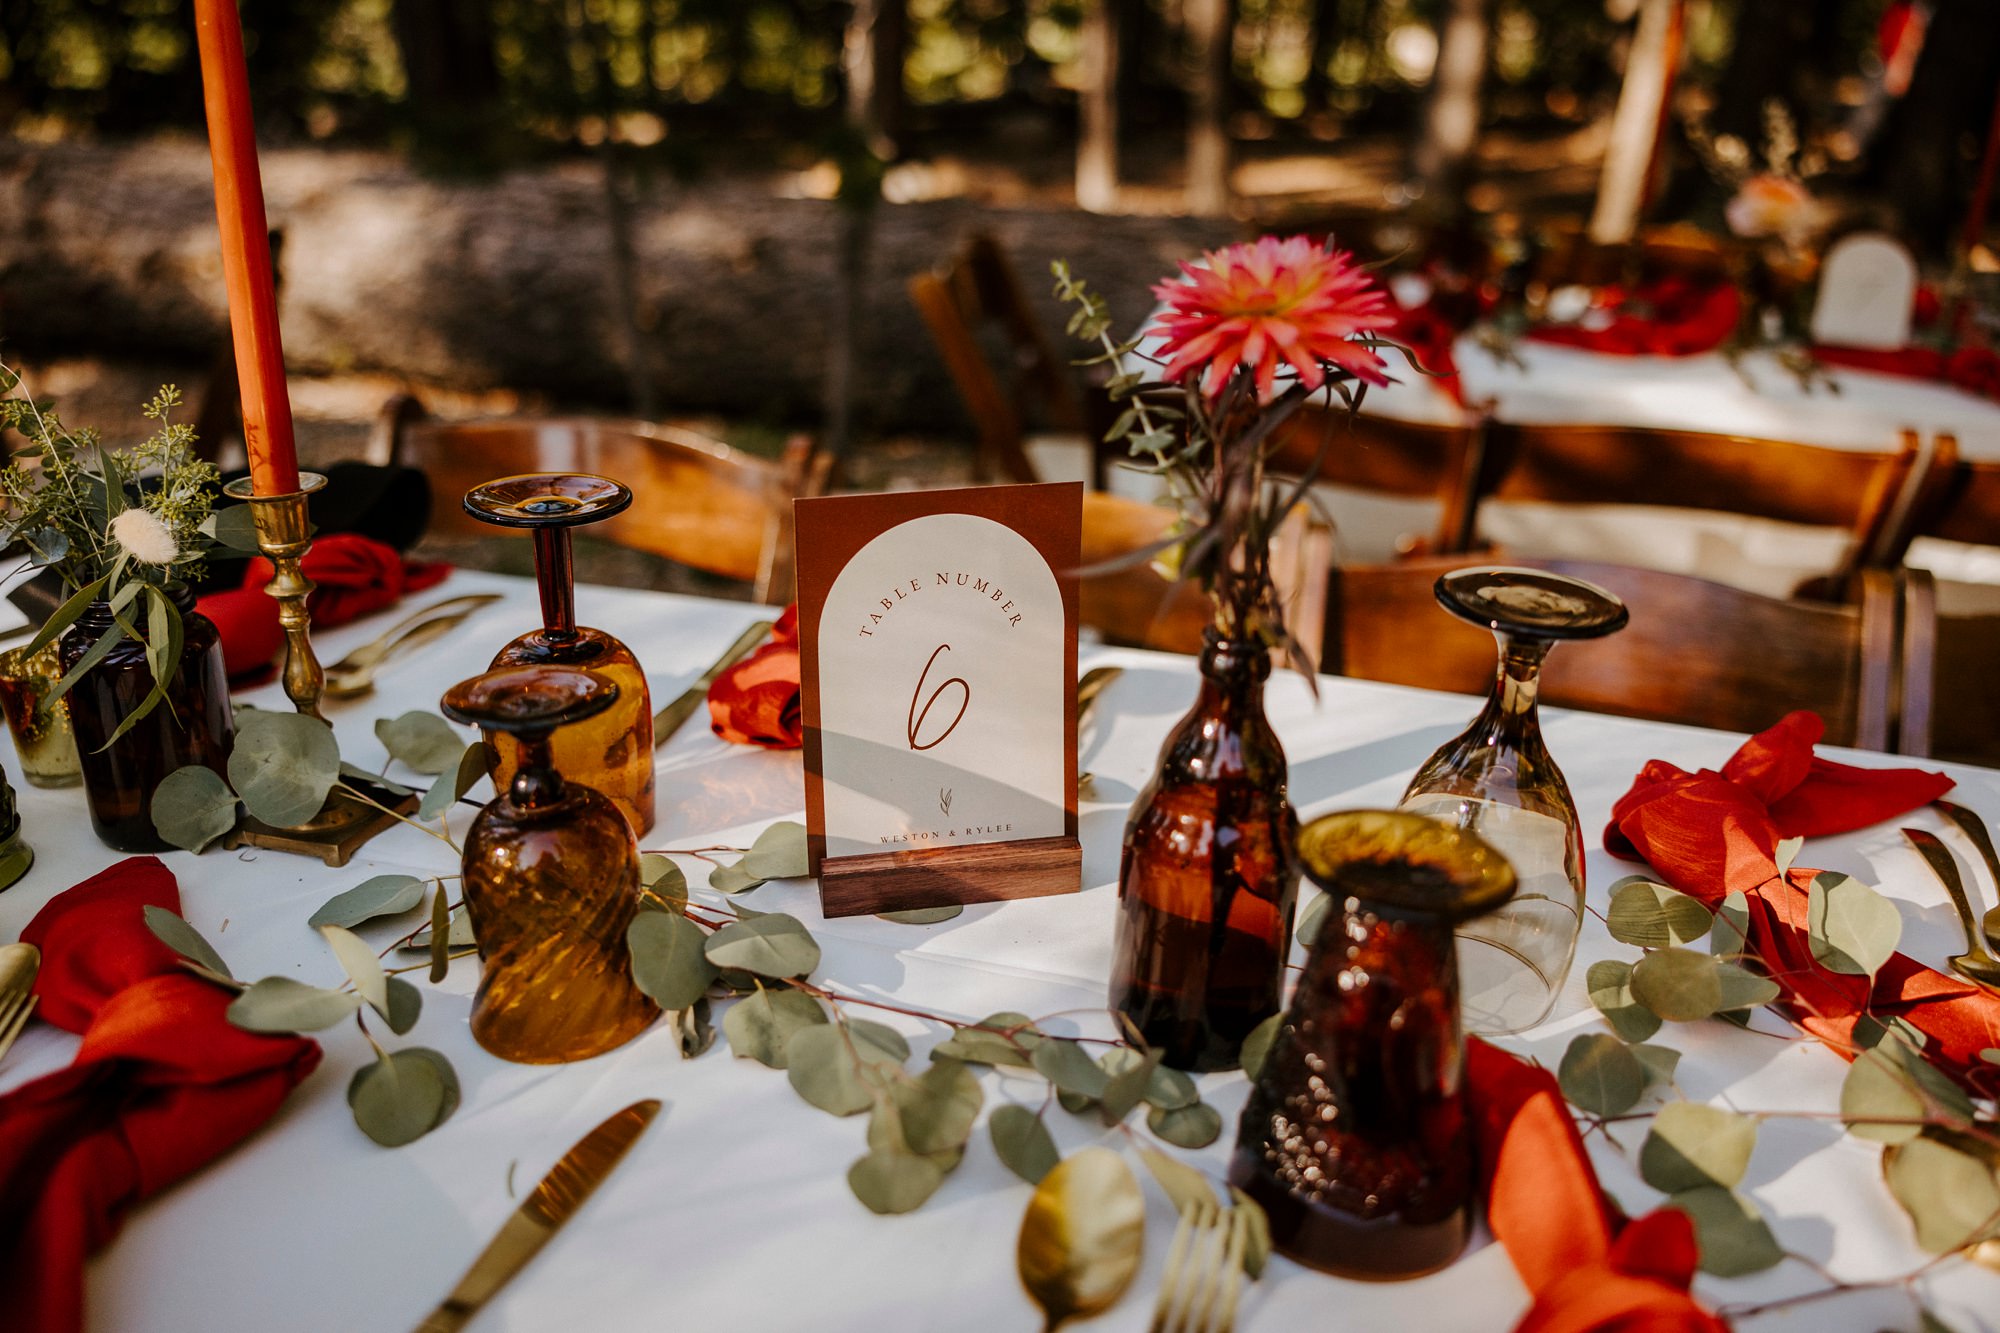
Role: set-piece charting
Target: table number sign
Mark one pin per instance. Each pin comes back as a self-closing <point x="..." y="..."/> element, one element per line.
<point x="937" y="646"/>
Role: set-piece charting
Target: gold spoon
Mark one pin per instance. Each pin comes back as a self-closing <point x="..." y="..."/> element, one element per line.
<point x="354" y="674"/>
<point x="1975" y="964"/>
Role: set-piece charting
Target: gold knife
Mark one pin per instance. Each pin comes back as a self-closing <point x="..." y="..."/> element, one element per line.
<point x="670" y="719"/>
<point x="562" y="1191"/>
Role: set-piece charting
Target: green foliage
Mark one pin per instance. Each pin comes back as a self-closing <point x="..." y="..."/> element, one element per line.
<point x="379" y="895"/>
<point x="174" y="932"/>
<point x="1734" y="1239"/>
<point x="403" y="1096"/>
<point x="423" y="742"/>
<point x="1654" y="916"/>
<point x="668" y="960"/>
<point x="1022" y="1143"/>
<point x="283" y="765"/>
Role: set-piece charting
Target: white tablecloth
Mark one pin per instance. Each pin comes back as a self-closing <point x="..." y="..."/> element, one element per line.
<point x="733" y="1212"/>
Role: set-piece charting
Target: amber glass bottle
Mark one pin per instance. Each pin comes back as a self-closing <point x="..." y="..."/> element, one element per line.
<point x="193" y="725"/>
<point x="1209" y="875"/>
<point x="613" y="751"/>
<point x="551" y="881"/>
<point x="1355" y="1138"/>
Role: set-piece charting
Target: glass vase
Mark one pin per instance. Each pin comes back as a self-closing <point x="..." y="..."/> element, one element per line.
<point x="192" y="725"/>
<point x="611" y="752"/>
<point x="1356" y="1138"/>
<point x="1209" y="875"/>
<point x="1497" y="780"/>
<point x="16" y="856"/>
<point x="43" y="740"/>
<point x="551" y="880"/>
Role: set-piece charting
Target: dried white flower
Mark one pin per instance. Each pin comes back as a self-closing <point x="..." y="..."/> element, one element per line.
<point x="144" y="537"/>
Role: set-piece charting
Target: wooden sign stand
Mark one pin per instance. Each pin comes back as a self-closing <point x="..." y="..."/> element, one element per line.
<point x="832" y="532"/>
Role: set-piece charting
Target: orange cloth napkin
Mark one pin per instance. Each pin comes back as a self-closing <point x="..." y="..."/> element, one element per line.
<point x="756" y="702"/>
<point x="1709" y="833"/>
<point x="1587" y="1268"/>
<point x="355" y="575"/>
<point x="162" y="1085"/>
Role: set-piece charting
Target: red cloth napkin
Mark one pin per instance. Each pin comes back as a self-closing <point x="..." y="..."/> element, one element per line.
<point x="355" y="575"/>
<point x="162" y="1085"/>
<point x="1709" y="833"/>
<point x="1674" y="316"/>
<point x="1587" y="1268"/>
<point x="1973" y="369"/>
<point x="756" y="702"/>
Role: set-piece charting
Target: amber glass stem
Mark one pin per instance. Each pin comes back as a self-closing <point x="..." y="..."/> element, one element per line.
<point x="536" y="782"/>
<point x="1510" y="711"/>
<point x="556" y="575"/>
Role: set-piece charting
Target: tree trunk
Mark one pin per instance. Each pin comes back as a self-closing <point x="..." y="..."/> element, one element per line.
<point x="1097" y="121"/>
<point x="1636" y="126"/>
<point x="1924" y="172"/>
<point x="872" y="57"/>
<point x="1441" y="165"/>
<point x="1208" y="32"/>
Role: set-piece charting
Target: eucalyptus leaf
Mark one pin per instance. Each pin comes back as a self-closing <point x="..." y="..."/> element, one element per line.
<point x="692" y="1028"/>
<point x="663" y="878"/>
<point x="363" y="968"/>
<point x="1683" y="986"/>
<point x="1311" y="917"/>
<point x="894" y="1181"/>
<point x="283" y="765"/>
<point x="399" y="1098"/>
<point x="1733" y="1239"/>
<point x="421" y="741"/>
<point x="1654" y="916"/>
<point x="1879" y="1100"/>
<point x="732" y="879"/>
<point x="383" y="895"/>
<point x="1691" y="1145"/>
<point x="173" y="931"/>
<point x="775" y="945"/>
<point x="1849" y="926"/>
<point x="1184" y="1186"/>
<point x="441" y="930"/>
<point x="406" y="1005"/>
<point x="1128" y="1075"/>
<point x="1731" y="936"/>
<point x="1659" y="1062"/>
<point x="1600" y="1075"/>
<point x="1610" y="983"/>
<point x="1257" y="1046"/>
<point x="1075" y="1103"/>
<point x="280" y="1004"/>
<point x="65" y="616"/>
<point x="1022" y="1142"/>
<point x="667" y="958"/>
<point x="778" y="853"/>
<point x="1194" y="1126"/>
<point x="999" y="1039"/>
<point x="939" y="1107"/>
<point x="1257" y="1244"/>
<point x="232" y="527"/>
<point x="1083" y="1236"/>
<point x="923" y="916"/>
<point x="1169" y="1089"/>
<point x="473" y="764"/>
<point x="825" y="1064"/>
<point x="192" y="807"/>
<point x="1952" y="1197"/>
<point x="760" y="1024"/>
<point x="1787" y="852"/>
<point x="1064" y="1064"/>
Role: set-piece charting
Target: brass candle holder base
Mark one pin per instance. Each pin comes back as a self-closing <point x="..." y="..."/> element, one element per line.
<point x="345" y="822"/>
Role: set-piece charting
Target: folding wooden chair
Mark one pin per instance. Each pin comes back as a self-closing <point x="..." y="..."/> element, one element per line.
<point x="1950" y="706"/>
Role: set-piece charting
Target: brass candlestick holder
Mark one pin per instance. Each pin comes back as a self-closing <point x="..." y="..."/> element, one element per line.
<point x="346" y="821"/>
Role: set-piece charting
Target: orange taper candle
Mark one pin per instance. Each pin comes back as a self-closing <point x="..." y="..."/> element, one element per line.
<point x="246" y="250"/>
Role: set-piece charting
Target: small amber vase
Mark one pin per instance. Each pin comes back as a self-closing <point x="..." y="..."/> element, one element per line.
<point x="1209" y="875"/>
<point x="1497" y="779"/>
<point x="1356" y="1138"/>
<point x="551" y="880"/>
<point x="16" y="856"/>
<point x="192" y="725"/>
<point x="613" y="751"/>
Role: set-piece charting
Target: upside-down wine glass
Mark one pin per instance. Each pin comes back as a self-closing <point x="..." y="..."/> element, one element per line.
<point x="551" y="880"/>
<point x="1498" y="780"/>
<point x="613" y="751"/>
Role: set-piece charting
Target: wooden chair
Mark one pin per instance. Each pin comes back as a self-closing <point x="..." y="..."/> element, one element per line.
<point x="1961" y="500"/>
<point x="699" y="502"/>
<point x="1389" y="457"/>
<point x="1869" y="495"/>
<point x="1135" y="607"/>
<point x="1949" y="706"/>
<point x="1695" y="652"/>
<point x="1007" y="372"/>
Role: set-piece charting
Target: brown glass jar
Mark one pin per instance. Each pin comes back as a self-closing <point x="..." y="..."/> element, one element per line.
<point x="1209" y="876"/>
<point x="192" y="725"/>
<point x="1355" y="1138"/>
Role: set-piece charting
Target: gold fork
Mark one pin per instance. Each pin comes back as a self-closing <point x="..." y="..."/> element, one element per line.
<point x="1204" y="1271"/>
<point x="18" y="965"/>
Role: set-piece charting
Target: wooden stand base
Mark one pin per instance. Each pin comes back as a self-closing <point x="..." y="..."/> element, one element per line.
<point x="338" y="830"/>
<point x="986" y="873"/>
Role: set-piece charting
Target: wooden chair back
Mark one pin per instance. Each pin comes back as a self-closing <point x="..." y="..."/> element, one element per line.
<point x="1135" y="607"/>
<point x="976" y="309"/>
<point x="1695" y="652"/>
<point x="1372" y="453"/>
<point x="1868" y="494"/>
<point x="1962" y="501"/>
<point x="1950" y="708"/>
<point x="698" y="501"/>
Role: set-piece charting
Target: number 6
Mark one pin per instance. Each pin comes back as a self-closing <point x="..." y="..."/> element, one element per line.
<point x="916" y="719"/>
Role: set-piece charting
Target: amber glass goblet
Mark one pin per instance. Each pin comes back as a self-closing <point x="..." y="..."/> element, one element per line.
<point x="551" y="880"/>
<point x="1498" y="780"/>
<point x="1356" y="1137"/>
<point x="613" y="750"/>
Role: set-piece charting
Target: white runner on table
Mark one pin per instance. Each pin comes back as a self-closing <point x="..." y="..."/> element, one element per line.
<point x="733" y="1211"/>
